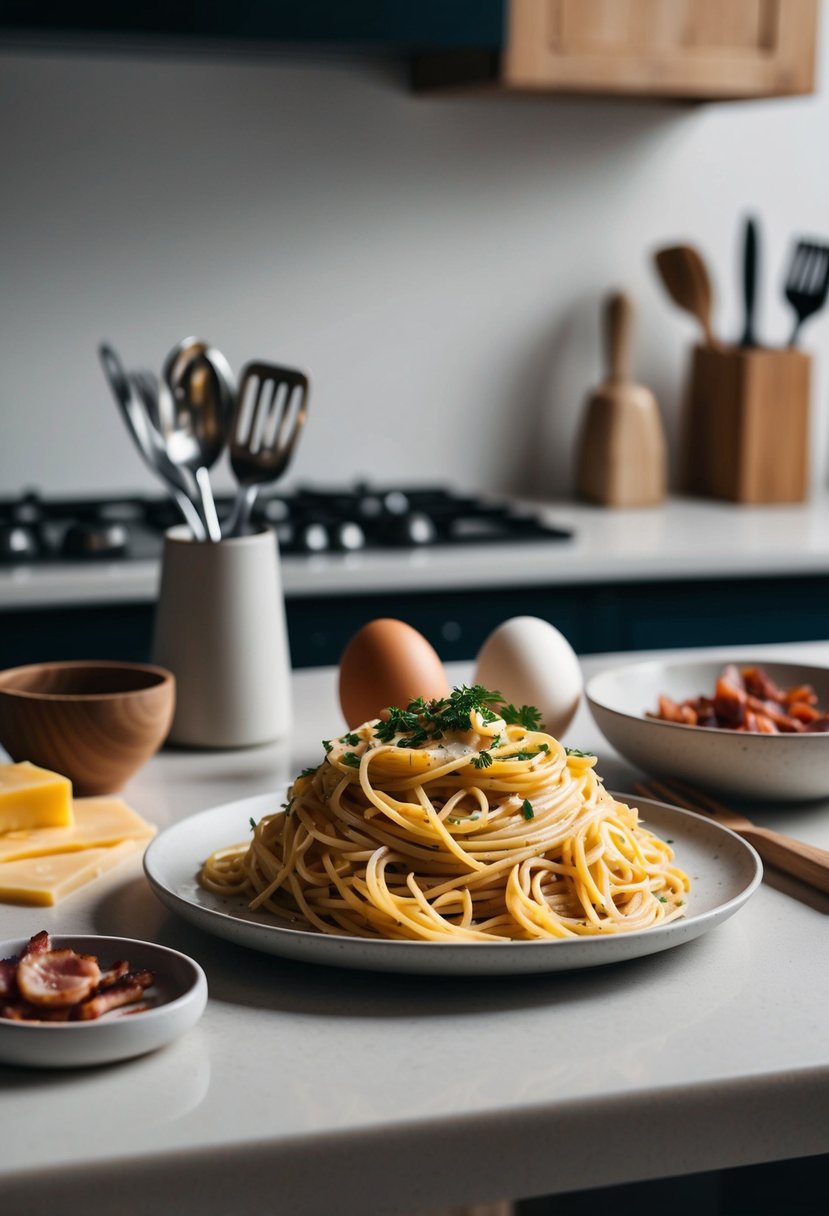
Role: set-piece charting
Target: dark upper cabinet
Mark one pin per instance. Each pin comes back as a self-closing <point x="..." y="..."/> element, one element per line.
<point x="689" y="49"/>
<point x="404" y="25"/>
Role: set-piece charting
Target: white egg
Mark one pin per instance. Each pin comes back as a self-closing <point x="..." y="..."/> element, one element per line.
<point x="531" y="663"/>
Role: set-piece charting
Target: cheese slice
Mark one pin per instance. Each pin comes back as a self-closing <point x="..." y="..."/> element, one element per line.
<point x="43" y="881"/>
<point x="33" y="797"/>
<point x="99" y="822"/>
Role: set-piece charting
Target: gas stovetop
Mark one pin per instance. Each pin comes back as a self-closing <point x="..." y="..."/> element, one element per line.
<point x="35" y="530"/>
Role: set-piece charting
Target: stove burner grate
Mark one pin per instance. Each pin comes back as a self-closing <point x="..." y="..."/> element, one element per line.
<point x="36" y="529"/>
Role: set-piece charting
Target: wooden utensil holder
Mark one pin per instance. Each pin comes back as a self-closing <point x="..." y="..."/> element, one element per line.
<point x="746" y="426"/>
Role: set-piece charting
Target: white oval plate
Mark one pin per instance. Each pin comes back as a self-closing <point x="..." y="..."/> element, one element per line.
<point x="724" y="872"/>
<point x="179" y="993"/>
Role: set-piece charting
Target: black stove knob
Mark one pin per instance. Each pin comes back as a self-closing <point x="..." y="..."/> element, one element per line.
<point x="395" y="502"/>
<point x="19" y="543"/>
<point x="369" y="505"/>
<point x="415" y="528"/>
<point x="312" y="538"/>
<point x="348" y="536"/>
<point x="28" y="510"/>
<point x="272" y="510"/>
<point x="95" y="540"/>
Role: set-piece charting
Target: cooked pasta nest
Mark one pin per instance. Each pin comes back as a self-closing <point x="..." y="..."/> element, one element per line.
<point x="439" y="824"/>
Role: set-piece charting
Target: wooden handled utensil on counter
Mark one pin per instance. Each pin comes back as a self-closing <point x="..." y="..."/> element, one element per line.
<point x="688" y="283"/>
<point x="744" y="432"/>
<point x="621" y="459"/>
<point x="803" y="861"/>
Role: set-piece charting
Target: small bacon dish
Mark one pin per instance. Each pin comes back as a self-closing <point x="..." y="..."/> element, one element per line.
<point x="67" y="1002"/>
<point x="750" y="729"/>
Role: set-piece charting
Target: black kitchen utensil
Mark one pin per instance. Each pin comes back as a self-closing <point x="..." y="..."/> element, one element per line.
<point x="808" y="283"/>
<point x="750" y="259"/>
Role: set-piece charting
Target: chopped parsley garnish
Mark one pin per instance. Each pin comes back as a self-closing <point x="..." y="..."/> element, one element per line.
<point x="414" y="740"/>
<point x="423" y="720"/>
<point x="527" y="809"/>
<point x="351" y="759"/>
<point x="288" y="806"/>
<point x="308" y="772"/>
<point x="662" y="899"/>
<point x="527" y="716"/>
<point x="482" y="760"/>
<point x="252" y="823"/>
<point x="351" y="739"/>
<point x="327" y="744"/>
<point x="574" y="751"/>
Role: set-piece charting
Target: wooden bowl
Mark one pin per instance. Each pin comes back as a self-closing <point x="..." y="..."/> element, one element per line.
<point x="95" y="722"/>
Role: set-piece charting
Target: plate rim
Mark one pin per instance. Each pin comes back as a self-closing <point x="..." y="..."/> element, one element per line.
<point x="683" y="928"/>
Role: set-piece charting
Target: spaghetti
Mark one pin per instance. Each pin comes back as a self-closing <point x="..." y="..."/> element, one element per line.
<point x="453" y="820"/>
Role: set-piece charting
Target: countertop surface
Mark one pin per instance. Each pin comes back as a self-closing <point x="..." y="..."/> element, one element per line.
<point x="684" y="538"/>
<point x="312" y="1090"/>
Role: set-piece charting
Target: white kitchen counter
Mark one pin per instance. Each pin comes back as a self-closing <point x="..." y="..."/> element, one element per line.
<point x="312" y="1091"/>
<point x="685" y="538"/>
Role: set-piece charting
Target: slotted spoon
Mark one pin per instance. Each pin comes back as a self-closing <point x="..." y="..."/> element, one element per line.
<point x="270" y="413"/>
<point x="808" y="283"/>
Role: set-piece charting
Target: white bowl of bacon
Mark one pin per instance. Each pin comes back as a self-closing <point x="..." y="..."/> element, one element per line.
<point x="68" y="1002"/>
<point x="750" y="729"/>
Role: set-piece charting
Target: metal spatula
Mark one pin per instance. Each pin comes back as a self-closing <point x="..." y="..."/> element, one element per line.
<point x="270" y="413"/>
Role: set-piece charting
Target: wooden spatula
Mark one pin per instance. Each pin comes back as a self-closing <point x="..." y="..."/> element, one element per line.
<point x="688" y="283"/>
<point x="622" y="453"/>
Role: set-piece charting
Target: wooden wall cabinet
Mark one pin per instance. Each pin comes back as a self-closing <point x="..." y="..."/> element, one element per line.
<point x="682" y="49"/>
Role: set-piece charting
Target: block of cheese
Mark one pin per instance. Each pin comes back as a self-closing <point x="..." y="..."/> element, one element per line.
<point x="43" y="881"/>
<point x="99" y="822"/>
<point x="33" y="797"/>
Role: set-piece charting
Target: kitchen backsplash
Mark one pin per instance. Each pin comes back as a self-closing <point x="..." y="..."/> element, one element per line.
<point x="435" y="264"/>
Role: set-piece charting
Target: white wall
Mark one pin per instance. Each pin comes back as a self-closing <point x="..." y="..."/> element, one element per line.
<point x="435" y="264"/>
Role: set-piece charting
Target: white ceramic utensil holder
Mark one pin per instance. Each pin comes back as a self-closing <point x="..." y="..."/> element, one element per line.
<point x="220" y="628"/>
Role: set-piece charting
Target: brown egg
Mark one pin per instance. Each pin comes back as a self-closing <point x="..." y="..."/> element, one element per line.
<point x="387" y="662"/>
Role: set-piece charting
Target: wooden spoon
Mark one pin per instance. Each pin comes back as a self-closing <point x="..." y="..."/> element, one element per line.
<point x="688" y="284"/>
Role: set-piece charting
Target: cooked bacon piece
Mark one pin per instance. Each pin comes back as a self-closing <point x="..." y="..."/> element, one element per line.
<point x="782" y="720"/>
<point x="801" y="692"/>
<point x="14" y="1010"/>
<point x="25" y="1011"/>
<point x="749" y="700"/>
<point x="39" y="944"/>
<point x="759" y="684"/>
<point x="820" y="726"/>
<point x="670" y="711"/>
<point x="112" y="974"/>
<point x="123" y="991"/>
<point x="8" y="970"/>
<point x="730" y="699"/>
<point x="57" y="978"/>
<point x="47" y="985"/>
